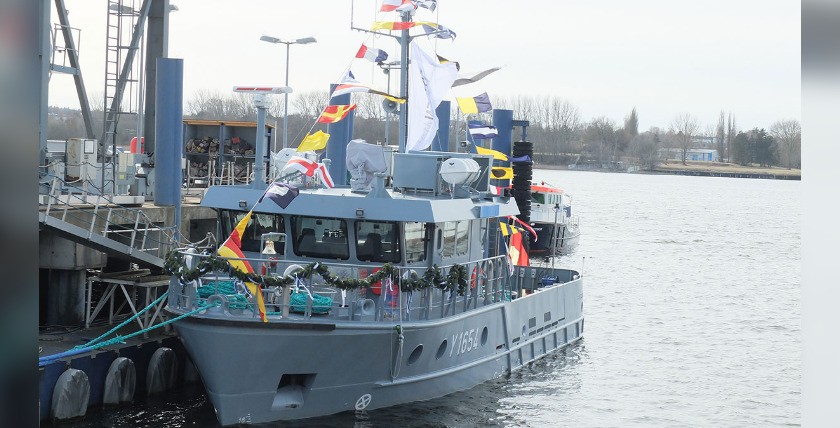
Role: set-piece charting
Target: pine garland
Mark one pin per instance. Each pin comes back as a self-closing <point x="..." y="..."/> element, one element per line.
<point x="456" y="279"/>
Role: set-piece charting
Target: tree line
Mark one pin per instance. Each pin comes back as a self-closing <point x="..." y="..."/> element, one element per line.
<point x="560" y="134"/>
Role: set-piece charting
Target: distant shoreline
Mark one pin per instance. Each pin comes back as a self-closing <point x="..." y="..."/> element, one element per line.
<point x="705" y="169"/>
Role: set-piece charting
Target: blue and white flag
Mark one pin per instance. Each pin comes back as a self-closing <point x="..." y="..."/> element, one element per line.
<point x="480" y="132"/>
<point x="281" y="193"/>
<point x="439" y="31"/>
<point x="372" y="54"/>
<point x="428" y="4"/>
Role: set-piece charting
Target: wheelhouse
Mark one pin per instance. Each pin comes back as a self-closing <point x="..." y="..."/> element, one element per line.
<point x="357" y="241"/>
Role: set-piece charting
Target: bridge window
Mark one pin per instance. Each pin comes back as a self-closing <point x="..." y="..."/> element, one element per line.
<point x="259" y="224"/>
<point x="415" y="242"/>
<point x="377" y="241"/>
<point x="320" y="237"/>
<point x="462" y="234"/>
<point x="456" y="238"/>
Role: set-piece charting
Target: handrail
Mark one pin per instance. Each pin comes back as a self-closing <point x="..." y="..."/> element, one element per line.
<point x="74" y="209"/>
<point x="491" y="282"/>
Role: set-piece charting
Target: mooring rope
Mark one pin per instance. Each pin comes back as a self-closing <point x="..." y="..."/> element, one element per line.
<point x="122" y="324"/>
<point x="42" y="361"/>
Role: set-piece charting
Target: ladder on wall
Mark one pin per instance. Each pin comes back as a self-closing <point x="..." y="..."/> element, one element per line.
<point x="122" y="19"/>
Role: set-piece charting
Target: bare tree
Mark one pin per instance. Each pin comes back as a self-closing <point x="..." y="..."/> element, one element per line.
<point x="564" y="118"/>
<point x="522" y="106"/>
<point x="684" y="126"/>
<point x="312" y="103"/>
<point x="601" y="133"/>
<point x="542" y="111"/>
<point x="631" y="124"/>
<point x="563" y="115"/>
<point x="731" y="130"/>
<point x="630" y="134"/>
<point x="720" y="135"/>
<point x="648" y="148"/>
<point x="369" y="106"/>
<point x="788" y="134"/>
<point x="213" y="105"/>
<point x="96" y="99"/>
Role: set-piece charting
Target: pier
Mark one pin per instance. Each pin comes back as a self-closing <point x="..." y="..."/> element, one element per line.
<point x="101" y="266"/>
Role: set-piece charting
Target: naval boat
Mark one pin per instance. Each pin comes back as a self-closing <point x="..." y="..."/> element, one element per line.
<point x="557" y="231"/>
<point x="410" y="283"/>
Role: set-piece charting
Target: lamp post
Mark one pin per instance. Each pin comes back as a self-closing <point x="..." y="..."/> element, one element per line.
<point x="301" y="41"/>
<point x="386" y="68"/>
<point x="261" y="103"/>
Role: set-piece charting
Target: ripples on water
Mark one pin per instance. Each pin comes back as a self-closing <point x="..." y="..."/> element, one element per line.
<point x="692" y="319"/>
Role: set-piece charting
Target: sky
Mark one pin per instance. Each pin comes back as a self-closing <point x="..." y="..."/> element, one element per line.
<point x="606" y="57"/>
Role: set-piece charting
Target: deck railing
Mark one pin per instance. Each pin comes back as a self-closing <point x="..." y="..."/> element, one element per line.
<point x="311" y="297"/>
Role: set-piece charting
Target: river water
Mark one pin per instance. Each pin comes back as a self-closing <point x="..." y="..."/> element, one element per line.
<point x="692" y="306"/>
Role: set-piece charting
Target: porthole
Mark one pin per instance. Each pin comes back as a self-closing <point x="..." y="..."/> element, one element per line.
<point x="415" y="354"/>
<point x="484" y="334"/>
<point x="441" y="349"/>
<point x="524" y="330"/>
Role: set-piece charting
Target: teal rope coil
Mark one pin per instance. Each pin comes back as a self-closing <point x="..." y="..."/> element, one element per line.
<point x="320" y="304"/>
<point x="228" y="289"/>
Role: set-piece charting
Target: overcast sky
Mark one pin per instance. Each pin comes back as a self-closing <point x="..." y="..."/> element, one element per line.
<point x="663" y="57"/>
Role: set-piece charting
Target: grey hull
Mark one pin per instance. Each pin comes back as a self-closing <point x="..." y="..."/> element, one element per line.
<point x="284" y="369"/>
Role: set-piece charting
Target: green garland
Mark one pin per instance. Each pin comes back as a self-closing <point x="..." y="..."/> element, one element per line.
<point x="455" y="280"/>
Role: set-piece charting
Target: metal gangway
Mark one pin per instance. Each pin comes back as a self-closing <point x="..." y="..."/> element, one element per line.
<point x="95" y="220"/>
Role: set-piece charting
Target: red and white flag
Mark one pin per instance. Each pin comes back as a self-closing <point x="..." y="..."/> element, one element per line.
<point x="311" y="169"/>
<point x="372" y="54"/>
<point x="392" y="5"/>
<point x="324" y="175"/>
<point x="303" y="165"/>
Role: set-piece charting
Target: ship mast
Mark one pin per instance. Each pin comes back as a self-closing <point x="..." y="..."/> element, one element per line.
<point x="404" y="40"/>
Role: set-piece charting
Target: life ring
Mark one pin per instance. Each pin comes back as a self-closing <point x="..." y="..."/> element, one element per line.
<point x="292" y="269"/>
<point x="375" y="288"/>
<point x="477" y="275"/>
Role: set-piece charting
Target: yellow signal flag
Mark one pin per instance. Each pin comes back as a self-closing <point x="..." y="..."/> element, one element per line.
<point x="508" y="229"/>
<point x="316" y="141"/>
<point x="496" y="154"/>
<point x="501" y="173"/>
<point x="473" y="105"/>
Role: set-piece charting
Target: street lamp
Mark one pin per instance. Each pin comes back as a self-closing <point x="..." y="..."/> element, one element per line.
<point x="301" y="41"/>
<point x="386" y="68"/>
